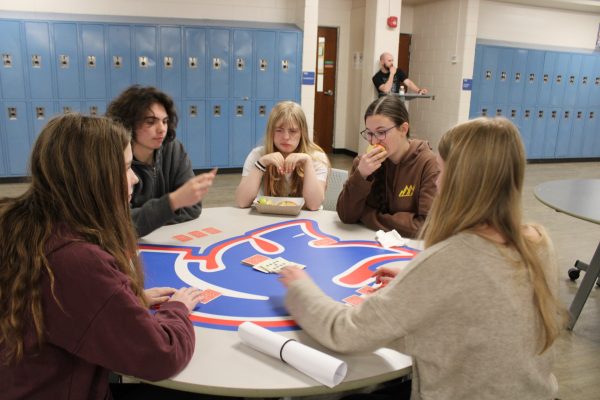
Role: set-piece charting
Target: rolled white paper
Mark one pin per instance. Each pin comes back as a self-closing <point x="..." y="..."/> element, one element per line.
<point x="322" y="367"/>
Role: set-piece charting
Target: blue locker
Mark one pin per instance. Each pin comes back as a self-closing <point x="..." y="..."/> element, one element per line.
<point x="145" y="58"/>
<point x="551" y="134"/>
<point x="194" y="115"/>
<point x="66" y="107"/>
<point x="488" y="74"/>
<point x="591" y="140"/>
<point x="571" y="80"/>
<point x="526" y="121"/>
<point x="265" y="64"/>
<point x="545" y="84"/>
<point x="485" y="110"/>
<point x="518" y="76"/>
<point x="535" y="66"/>
<point x="2" y="148"/>
<point x="240" y="134"/>
<point x="66" y="59"/>
<point x="476" y="87"/>
<point x="595" y="131"/>
<point x="119" y="58"/>
<point x="94" y="107"/>
<point x="39" y="65"/>
<point x="559" y="78"/>
<point x="513" y="114"/>
<point x="218" y="128"/>
<point x="196" y="62"/>
<point x="262" y="110"/>
<point x="577" y="134"/>
<point x="585" y="81"/>
<point x="18" y="144"/>
<point x="287" y="69"/>
<point x="218" y="57"/>
<point x="503" y="76"/>
<point x="40" y="112"/>
<point x="565" y="129"/>
<point x="94" y="60"/>
<point x="538" y="130"/>
<point x="170" y="60"/>
<point x="12" y="79"/>
<point x="595" y="89"/>
<point x="242" y="64"/>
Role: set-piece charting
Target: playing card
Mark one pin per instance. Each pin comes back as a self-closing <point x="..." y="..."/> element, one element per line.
<point x="255" y="259"/>
<point x="208" y="295"/>
<point x="353" y="300"/>
<point x="182" y="238"/>
<point x="366" y="290"/>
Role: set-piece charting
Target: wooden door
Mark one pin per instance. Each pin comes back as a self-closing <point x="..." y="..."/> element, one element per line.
<point x="325" y="87"/>
<point x="404" y="52"/>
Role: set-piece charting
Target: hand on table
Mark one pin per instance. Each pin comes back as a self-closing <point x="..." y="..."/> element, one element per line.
<point x="288" y="275"/>
<point x="158" y="295"/>
<point x="371" y="161"/>
<point x="384" y="275"/>
<point x="193" y="191"/>
<point x="189" y="296"/>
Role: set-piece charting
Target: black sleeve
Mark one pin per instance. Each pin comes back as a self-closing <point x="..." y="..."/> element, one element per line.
<point x="400" y="76"/>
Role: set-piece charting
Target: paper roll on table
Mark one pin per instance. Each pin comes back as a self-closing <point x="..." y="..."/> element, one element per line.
<point x="322" y="367"/>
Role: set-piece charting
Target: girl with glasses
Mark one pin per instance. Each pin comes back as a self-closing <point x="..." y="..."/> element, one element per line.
<point x="289" y="164"/>
<point x="393" y="185"/>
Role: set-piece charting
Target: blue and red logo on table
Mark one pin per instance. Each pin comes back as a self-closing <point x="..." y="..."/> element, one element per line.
<point x="340" y="268"/>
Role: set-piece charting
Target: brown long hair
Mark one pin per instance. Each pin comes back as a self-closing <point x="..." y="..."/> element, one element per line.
<point x="482" y="183"/>
<point x="292" y="114"/>
<point x="390" y="106"/>
<point x="78" y="179"/>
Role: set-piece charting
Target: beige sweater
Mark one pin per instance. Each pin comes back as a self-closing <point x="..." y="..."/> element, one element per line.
<point x="461" y="309"/>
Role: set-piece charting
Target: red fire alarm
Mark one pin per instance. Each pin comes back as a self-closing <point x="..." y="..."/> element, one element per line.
<point x="392" y="22"/>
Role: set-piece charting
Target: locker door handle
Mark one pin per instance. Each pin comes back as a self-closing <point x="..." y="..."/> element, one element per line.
<point x="7" y="60"/>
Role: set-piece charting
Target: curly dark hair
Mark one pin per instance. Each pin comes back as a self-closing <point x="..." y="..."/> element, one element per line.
<point x="390" y="106"/>
<point x="130" y="107"/>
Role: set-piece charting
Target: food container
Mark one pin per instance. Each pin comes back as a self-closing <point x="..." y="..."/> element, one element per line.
<point x="278" y="205"/>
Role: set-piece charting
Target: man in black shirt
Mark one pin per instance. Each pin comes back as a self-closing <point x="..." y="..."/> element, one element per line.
<point x="384" y="85"/>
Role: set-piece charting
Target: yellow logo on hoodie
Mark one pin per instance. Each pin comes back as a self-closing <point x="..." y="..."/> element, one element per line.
<point x="408" y="191"/>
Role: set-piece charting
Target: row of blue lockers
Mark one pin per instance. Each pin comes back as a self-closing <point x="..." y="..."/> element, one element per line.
<point x="88" y="60"/>
<point x="552" y="96"/>
<point x="216" y="133"/>
<point x="506" y="75"/>
<point x="553" y="133"/>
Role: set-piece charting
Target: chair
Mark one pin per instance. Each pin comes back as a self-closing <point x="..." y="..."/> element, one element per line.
<point x="335" y="183"/>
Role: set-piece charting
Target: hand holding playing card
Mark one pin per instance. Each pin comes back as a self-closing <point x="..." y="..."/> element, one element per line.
<point x="291" y="274"/>
<point x="383" y="275"/>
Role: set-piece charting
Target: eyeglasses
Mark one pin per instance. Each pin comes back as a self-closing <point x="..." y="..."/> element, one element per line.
<point x="380" y="135"/>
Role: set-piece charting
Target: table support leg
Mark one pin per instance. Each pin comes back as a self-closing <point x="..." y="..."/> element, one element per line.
<point x="587" y="283"/>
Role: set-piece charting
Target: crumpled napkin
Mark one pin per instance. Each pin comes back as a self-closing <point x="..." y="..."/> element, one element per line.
<point x="390" y="239"/>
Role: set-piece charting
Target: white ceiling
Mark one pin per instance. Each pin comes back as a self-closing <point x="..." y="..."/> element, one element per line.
<point x="575" y="5"/>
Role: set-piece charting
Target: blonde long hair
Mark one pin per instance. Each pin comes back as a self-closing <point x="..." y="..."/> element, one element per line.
<point x="287" y="112"/>
<point x="78" y="179"/>
<point x="482" y="183"/>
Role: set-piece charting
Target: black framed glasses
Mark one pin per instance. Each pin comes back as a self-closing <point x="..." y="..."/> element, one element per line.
<point x="380" y="135"/>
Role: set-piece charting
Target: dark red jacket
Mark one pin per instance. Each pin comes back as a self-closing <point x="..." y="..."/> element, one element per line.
<point x="101" y="327"/>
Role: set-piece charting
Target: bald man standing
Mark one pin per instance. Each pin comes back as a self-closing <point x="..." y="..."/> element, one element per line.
<point x="385" y="85"/>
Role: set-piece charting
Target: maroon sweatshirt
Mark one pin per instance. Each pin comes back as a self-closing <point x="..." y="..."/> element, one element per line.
<point x="101" y="327"/>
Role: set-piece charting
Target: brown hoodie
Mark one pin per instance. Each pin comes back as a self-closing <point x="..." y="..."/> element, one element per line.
<point x="409" y="191"/>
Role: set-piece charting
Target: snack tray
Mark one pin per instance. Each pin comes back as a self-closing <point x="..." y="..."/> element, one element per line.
<point x="279" y="209"/>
